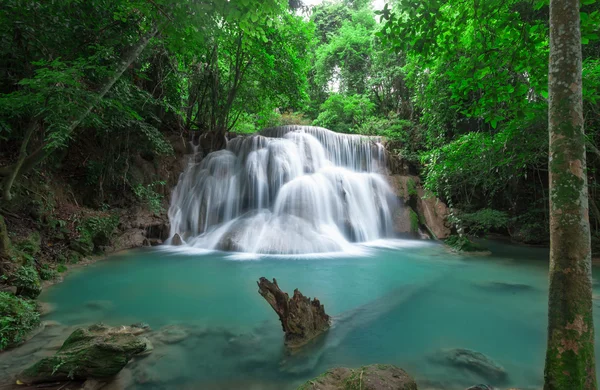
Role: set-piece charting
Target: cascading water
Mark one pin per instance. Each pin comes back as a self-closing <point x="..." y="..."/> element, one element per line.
<point x="287" y="190"/>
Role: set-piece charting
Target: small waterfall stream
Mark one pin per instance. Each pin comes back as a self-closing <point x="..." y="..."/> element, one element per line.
<point x="286" y="190"/>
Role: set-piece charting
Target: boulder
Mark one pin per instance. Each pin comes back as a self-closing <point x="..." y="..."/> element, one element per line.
<point x="472" y="361"/>
<point x="176" y="240"/>
<point x="302" y="318"/>
<point x="373" y="377"/>
<point x="434" y="211"/>
<point x="98" y="351"/>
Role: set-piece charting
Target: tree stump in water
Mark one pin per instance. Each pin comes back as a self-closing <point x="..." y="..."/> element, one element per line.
<point x="302" y="319"/>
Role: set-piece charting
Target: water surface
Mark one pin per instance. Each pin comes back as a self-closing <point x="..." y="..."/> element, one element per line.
<point x="399" y="305"/>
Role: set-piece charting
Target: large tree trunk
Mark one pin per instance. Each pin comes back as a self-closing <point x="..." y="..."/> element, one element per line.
<point x="570" y="355"/>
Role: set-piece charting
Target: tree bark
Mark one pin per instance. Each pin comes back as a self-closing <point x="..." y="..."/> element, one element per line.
<point x="302" y="318"/>
<point x="570" y="361"/>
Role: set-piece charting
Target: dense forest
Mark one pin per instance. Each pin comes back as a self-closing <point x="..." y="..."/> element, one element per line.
<point x="89" y="86"/>
<point x="98" y="99"/>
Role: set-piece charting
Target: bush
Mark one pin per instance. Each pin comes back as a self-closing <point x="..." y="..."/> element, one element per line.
<point x="27" y="281"/>
<point x="482" y="221"/>
<point x="97" y="230"/>
<point x="463" y="244"/>
<point x="148" y="195"/>
<point x="17" y="317"/>
<point x="47" y="273"/>
<point x="31" y="245"/>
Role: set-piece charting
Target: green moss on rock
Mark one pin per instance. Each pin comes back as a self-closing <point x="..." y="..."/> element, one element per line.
<point x="17" y="318"/>
<point x="98" y="351"/>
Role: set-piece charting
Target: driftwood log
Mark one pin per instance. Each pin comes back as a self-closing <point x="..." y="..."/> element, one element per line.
<point x="302" y="318"/>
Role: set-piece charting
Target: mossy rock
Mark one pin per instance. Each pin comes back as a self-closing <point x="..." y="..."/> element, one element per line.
<point x="17" y="318"/>
<point x="373" y="377"/>
<point x="98" y="351"/>
<point x="27" y="282"/>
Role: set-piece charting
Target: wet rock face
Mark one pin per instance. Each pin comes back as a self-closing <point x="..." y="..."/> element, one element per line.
<point x="302" y="318"/>
<point x="373" y="377"/>
<point x="95" y="352"/>
<point x="473" y="361"/>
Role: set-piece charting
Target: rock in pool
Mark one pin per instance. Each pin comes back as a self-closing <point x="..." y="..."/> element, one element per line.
<point x="373" y="377"/>
<point x="97" y="351"/>
<point x="474" y="362"/>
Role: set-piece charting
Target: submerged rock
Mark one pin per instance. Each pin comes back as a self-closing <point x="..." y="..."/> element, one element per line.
<point x="302" y="319"/>
<point x="373" y="377"/>
<point x="473" y="361"/>
<point x="98" y="351"/>
<point x="171" y="334"/>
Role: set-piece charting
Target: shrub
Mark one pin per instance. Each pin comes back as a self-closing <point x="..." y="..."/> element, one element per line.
<point x="31" y="245"/>
<point x="482" y="221"/>
<point x="47" y="273"/>
<point x="148" y="195"/>
<point x="27" y="281"/>
<point x="463" y="244"/>
<point x="17" y="317"/>
<point x="97" y="230"/>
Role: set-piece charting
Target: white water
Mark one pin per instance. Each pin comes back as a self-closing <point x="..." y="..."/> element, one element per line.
<point x="288" y="190"/>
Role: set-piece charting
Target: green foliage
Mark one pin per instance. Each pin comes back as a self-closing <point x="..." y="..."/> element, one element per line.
<point x="414" y="221"/>
<point x="31" y="245"/>
<point x="484" y="220"/>
<point x="61" y="268"/>
<point x="463" y="244"/>
<point x="27" y="282"/>
<point x="17" y="318"/>
<point x="411" y="187"/>
<point x="47" y="273"/>
<point x="344" y="114"/>
<point x="98" y="230"/>
<point x="148" y="195"/>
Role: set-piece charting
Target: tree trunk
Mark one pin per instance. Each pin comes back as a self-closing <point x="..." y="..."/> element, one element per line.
<point x="10" y="179"/>
<point x="302" y="318"/>
<point x="570" y="355"/>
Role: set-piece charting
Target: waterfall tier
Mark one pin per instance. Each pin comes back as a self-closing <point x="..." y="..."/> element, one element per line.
<point x="287" y="190"/>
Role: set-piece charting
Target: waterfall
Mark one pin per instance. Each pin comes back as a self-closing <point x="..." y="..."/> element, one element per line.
<point x="285" y="190"/>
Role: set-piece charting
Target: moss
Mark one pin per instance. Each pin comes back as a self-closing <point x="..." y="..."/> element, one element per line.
<point x="411" y="187"/>
<point x="17" y="318"/>
<point x="97" y="351"/>
<point x="414" y="221"/>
